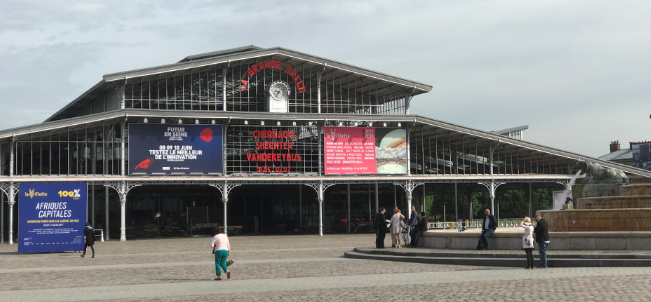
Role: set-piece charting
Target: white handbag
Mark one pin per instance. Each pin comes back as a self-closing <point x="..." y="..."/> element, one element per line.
<point x="527" y="242"/>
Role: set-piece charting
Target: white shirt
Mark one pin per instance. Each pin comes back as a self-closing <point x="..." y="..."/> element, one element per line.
<point x="487" y="223"/>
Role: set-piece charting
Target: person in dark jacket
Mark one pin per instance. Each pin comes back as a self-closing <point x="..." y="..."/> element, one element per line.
<point x="411" y="225"/>
<point x="89" y="239"/>
<point x="542" y="238"/>
<point x="421" y="228"/>
<point x="380" y="226"/>
<point x="489" y="226"/>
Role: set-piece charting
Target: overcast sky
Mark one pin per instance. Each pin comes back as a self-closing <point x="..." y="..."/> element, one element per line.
<point x="578" y="73"/>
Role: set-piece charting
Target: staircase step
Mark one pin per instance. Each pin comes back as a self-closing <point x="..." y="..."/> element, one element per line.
<point x="495" y="259"/>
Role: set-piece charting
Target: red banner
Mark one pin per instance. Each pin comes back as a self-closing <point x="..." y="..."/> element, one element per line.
<point x="350" y="150"/>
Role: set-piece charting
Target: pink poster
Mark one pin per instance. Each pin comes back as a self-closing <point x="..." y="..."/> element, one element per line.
<point x="349" y="150"/>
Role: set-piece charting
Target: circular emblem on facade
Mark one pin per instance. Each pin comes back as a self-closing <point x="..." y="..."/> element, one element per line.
<point x="279" y="91"/>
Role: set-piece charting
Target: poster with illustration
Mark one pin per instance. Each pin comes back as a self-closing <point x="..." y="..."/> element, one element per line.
<point x="175" y="149"/>
<point x="365" y="150"/>
<point x="51" y="217"/>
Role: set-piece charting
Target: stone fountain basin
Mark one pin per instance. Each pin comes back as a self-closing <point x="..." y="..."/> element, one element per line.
<point x="599" y="220"/>
<point x="613" y="202"/>
<point x="504" y="239"/>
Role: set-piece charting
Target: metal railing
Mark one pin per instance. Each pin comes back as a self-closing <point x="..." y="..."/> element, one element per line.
<point x="152" y="227"/>
<point x="474" y="224"/>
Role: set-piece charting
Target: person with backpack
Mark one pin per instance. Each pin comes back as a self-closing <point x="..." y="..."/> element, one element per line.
<point x="488" y="228"/>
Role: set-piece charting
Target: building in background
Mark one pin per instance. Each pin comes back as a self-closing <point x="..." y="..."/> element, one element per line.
<point x="262" y="141"/>
<point x="638" y="154"/>
<point x="515" y="132"/>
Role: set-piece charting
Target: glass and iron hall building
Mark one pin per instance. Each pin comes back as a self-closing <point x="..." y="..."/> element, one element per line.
<point x="262" y="140"/>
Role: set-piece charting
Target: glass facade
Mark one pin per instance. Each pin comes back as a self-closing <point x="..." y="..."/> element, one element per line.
<point x="81" y="150"/>
<point x="261" y="147"/>
<point x="206" y="88"/>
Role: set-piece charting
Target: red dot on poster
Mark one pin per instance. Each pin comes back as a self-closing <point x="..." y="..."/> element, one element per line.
<point x="206" y="135"/>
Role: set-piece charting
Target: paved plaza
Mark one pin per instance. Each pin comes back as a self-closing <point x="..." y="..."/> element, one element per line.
<point x="291" y="268"/>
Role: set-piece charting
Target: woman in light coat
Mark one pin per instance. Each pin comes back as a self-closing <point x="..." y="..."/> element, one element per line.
<point x="396" y="226"/>
<point x="527" y="241"/>
<point x="221" y="247"/>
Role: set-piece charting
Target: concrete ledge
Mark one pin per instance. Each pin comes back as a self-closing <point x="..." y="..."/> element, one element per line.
<point x="508" y="254"/>
<point x="559" y="241"/>
<point x="508" y="260"/>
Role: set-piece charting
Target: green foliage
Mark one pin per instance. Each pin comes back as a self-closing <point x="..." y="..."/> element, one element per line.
<point x="512" y="204"/>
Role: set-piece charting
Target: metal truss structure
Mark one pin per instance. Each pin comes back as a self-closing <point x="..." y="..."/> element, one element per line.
<point x="87" y="140"/>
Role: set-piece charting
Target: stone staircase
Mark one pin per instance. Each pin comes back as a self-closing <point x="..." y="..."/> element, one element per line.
<point x="505" y="258"/>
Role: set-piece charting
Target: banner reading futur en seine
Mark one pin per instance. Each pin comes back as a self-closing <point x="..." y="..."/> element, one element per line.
<point x="175" y="149"/>
<point x="51" y="217"/>
<point x="365" y="150"/>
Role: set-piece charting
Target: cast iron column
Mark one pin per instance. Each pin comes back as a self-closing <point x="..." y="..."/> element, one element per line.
<point x="106" y="214"/>
<point x="225" y="201"/>
<point x="530" y="201"/>
<point x="11" y="212"/>
<point x="348" y="206"/>
<point x="320" y="198"/>
<point x="377" y="198"/>
<point x="456" y="214"/>
<point x="123" y="211"/>
<point x="2" y="217"/>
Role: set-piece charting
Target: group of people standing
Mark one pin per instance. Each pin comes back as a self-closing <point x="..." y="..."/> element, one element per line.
<point x="414" y="227"/>
<point x="541" y="233"/>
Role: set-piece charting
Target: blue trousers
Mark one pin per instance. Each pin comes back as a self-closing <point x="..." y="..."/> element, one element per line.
<point x="416" y="237"/>
<point x="542" y="249"/>
<point x="220" y="261"/>
<point x="484" y="236"/>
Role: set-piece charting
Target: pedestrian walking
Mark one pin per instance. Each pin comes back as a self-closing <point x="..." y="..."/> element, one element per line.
<point x="89" y="239"/>
<point x="380" y="227"/>
<point x="527" y="241"/>
<point x="396" y="226"/>
<point x="542" y="238"/>
<point x="222" y="250"/>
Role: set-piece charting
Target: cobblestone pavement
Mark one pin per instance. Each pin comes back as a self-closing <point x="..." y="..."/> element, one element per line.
<point x="305" y="268"/>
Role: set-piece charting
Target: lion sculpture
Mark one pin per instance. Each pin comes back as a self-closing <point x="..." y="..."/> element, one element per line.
<point x="596" y="173"/>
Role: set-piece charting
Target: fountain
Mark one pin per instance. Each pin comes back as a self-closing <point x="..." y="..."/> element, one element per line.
<point x="565" y="199"/>
<point x="604" y="201"/>
<point x="609" y="213"/>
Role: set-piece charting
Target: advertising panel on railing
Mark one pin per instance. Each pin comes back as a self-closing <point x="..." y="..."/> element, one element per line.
<point x="253" y="149"/>
<point x="175" y="149"/>
<point x="365" y="150"/>
<point x="51" y="217"/>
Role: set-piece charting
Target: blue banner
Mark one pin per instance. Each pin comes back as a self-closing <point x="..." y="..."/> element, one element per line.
<point x="175" y="149"/>
<point x="51" y="217"/>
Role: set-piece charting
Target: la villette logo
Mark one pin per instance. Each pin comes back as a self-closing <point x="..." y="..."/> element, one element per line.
<point x="31" y="194"/>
